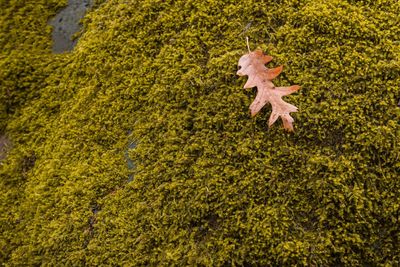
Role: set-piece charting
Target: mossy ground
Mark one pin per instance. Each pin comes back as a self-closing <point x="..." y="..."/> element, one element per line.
<point x="211" y="186"/>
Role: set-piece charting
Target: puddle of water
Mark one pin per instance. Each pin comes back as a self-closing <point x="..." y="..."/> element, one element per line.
<point x="66" y="24"/>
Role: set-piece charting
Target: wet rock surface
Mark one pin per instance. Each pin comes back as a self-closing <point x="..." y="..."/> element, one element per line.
<point x="131" y="164"/>
<point x="66" y="23"/>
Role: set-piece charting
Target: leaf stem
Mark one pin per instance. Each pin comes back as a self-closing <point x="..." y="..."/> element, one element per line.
<point x="247" y="42"/>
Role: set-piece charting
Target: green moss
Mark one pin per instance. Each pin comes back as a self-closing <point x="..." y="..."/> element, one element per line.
<point x="211" y="186"/>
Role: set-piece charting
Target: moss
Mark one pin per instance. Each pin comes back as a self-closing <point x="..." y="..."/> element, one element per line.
<point x="25" y="48"/>
<point x="210" y="186"/>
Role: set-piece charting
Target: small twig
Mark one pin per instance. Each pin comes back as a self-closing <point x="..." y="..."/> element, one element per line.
<point x="247" y="42"/>
<point x="246" y="28"/>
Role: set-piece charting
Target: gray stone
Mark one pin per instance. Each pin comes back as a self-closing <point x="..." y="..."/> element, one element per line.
<point x="66" y="23"/>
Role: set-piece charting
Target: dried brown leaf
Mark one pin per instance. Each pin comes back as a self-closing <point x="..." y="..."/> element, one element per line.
<point x="253" y="65"/>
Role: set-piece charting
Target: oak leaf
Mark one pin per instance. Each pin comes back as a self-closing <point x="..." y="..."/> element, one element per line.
<point x="253" y="65"/>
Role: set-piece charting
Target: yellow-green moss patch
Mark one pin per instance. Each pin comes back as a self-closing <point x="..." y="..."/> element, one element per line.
<point x="211" y="186"/>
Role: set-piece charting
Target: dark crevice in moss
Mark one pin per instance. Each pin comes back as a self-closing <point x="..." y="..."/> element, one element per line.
<point x="5" y="146"/>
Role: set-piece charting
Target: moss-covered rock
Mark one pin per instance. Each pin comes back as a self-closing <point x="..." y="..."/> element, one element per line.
<point x="211" y="186"/>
